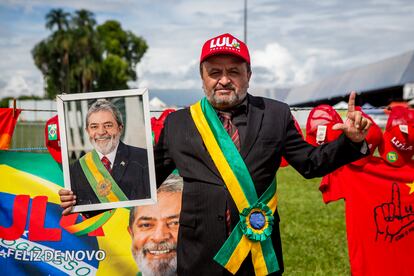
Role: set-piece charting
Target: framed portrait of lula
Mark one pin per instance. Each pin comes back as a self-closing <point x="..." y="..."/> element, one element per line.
<point x="107" y="154"/>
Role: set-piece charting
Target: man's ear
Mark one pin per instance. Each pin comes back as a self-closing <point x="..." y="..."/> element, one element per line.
<point x="130" y="232"/>
<point x="249" y="75"/>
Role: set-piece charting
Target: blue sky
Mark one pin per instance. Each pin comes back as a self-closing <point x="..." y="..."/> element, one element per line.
<point x="291" y="42"/>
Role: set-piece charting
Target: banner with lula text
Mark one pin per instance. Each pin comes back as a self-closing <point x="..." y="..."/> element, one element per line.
<point x="33" y="235"/>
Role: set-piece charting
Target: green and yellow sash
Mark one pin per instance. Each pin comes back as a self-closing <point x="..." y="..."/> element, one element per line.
<point x="252" y="233"/>
<point x="90" y="224"/>
<point x="101" y="181"/>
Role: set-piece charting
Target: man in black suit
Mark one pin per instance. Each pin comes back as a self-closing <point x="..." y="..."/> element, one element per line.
<point x="266" y="132"/>
<point x="260" y="131"/>
<point x="121" y="170"/>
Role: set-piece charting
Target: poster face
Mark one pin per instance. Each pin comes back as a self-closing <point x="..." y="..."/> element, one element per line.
<point x="106" y="143"/>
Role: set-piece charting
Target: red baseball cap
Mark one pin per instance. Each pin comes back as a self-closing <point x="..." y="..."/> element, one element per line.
<point x="52" y="138"/>
<point x="397" y="147"/>
<point x="225" y="44"/>
<point x="373" y="139"/>
<point x="321" y="119"/>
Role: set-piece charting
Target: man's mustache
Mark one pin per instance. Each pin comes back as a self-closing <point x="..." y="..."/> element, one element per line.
<point x="227" y="87"/>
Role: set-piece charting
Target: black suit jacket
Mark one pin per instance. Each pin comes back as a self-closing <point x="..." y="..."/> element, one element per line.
<point x="270" y="134"/>
<point x="130" y="171"/>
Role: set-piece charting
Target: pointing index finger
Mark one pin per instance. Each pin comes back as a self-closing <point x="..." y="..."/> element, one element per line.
<point x="351" y="102"/>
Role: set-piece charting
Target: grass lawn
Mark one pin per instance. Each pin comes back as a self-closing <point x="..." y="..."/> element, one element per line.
<point x="313" y="234"/>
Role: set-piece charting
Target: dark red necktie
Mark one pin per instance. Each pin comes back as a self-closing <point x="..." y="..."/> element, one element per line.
<point x="106" y="163"/>
<point x="230" y="128"/>
<point x="234" y="135"/>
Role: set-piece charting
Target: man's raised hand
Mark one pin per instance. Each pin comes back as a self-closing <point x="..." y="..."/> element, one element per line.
<point x="356" y="126"/>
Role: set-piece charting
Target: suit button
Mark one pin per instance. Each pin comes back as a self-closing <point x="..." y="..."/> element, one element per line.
<point x="220" y="217"/>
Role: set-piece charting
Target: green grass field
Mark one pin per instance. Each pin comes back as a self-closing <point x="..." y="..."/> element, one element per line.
<point x="313" y="234"/>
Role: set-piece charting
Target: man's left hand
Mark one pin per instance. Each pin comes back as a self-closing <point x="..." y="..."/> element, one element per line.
<point x="356" y="126"/>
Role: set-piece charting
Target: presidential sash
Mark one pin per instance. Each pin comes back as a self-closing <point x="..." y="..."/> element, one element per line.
<point x="101" y="181"/>
<point x="252" y="232"/>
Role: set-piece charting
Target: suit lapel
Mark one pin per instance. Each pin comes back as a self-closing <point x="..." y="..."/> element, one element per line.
<point x="195" y="140"/>
<point x="254" y="122"/>
<point x="120" y="163"/>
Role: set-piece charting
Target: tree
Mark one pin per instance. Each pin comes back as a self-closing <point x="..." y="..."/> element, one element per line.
<point x="123" y="51"/>
<point x="59" y="18"/>
<point x="81" y="56"/>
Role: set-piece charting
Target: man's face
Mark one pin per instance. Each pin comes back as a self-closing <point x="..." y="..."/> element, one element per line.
<point x="225" y="80"/>
<point x="154" y="235"/>
<point x="104" y="132"/>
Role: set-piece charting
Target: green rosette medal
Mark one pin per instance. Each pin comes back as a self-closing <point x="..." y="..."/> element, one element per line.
<point x="252" y="232"/>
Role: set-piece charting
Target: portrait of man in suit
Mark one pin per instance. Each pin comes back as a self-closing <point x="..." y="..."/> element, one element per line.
<point x="112" y="171"/>
<point x="154" y="230"/>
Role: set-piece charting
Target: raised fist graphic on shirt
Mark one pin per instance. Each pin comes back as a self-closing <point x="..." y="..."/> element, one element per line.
<point x="391" y="218"/>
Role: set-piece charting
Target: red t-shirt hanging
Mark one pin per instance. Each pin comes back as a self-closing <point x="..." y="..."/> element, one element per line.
<point x="379" y="204"/>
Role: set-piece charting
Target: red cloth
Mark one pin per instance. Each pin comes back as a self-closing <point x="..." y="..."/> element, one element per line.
<point x="158" y="124"/>
<point x="7" y="125"/>
<point x="379" y="202"/>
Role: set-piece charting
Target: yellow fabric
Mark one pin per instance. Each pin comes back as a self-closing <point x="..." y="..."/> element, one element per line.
<point x="14" y="182"/>
<point x="258" y="260"/>
<point x="272" y="204"/>
<point x="239" y="254"/>
<point x="117" y="243"/>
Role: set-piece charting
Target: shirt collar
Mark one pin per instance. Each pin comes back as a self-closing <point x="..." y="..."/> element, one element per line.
<point x="111" y="156"/>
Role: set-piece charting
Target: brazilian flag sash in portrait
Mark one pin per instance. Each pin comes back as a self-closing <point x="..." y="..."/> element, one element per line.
<point x="252" y="232"/>
<point x="101" y="181"/>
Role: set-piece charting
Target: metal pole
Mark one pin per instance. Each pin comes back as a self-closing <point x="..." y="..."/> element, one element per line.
<point x="245" y="21"/>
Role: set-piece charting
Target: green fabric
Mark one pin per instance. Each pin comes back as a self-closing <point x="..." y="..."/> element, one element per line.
<point x="268" y="250"/>
<point x="38" y="164"/>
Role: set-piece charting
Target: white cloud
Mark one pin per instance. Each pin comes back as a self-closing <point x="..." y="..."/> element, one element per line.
<point x="19" y="86"/>
<point x="284" y="68"/>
